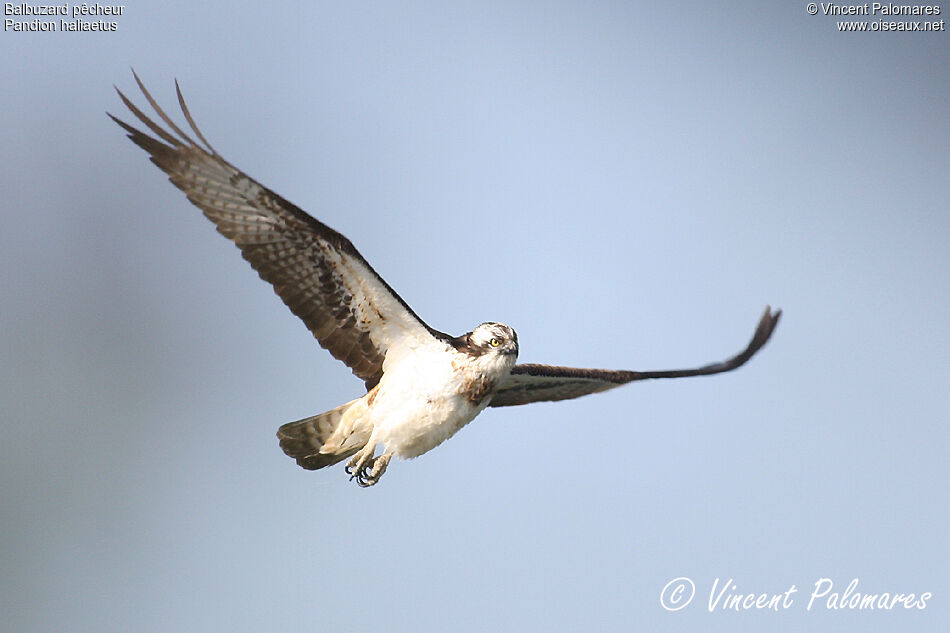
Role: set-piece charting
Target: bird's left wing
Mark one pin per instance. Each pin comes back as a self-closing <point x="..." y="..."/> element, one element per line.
<point x="538" y="383"/>
<point x="316" y="271"/>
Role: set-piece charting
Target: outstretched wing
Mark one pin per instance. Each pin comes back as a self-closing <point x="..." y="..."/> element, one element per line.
<point x="537" y="383"/>
<point x="317" y="272"/>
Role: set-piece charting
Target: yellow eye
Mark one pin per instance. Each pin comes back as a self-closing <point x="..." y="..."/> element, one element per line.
<point x="494" y="342"/>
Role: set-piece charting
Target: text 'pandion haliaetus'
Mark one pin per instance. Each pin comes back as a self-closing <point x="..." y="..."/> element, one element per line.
<point x="422" y="385"/>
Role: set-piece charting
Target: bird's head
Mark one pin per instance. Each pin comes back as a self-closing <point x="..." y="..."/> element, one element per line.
<point x="492" y="338"/>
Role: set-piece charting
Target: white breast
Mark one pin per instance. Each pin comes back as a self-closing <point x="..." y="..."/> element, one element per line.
<point x="421" y="399"/>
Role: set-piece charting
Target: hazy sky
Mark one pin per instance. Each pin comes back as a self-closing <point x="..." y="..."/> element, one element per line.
<point x="626" y="185"/>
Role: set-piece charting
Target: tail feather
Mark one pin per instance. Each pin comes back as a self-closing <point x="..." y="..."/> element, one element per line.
<point x="304" y="438"/>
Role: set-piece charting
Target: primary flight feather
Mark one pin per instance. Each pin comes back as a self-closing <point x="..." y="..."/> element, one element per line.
<point x="422" y="385"/>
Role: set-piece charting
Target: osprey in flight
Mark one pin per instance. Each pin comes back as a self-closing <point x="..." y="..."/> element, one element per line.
<point x="422" y="385"/>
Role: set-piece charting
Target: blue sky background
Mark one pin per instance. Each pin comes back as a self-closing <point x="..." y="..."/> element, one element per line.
<point x="627" y="185"/>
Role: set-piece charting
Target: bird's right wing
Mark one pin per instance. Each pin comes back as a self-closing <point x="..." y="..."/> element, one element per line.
<point x="537" y="383"/>
<point x="316" y="271"/>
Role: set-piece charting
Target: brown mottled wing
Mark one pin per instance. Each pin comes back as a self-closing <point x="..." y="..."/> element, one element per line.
<point x="537" y="383"/>
<point x="317" y="272"/>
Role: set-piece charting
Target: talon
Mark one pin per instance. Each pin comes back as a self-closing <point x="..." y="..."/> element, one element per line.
<point x="356" y="465"/>
<point x="374" y="470"/>
<point x="366" y="469"/>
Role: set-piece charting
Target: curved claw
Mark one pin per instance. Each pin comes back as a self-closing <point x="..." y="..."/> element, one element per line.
<point x="367" y="471"/>
<point x="359" y="472"/>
